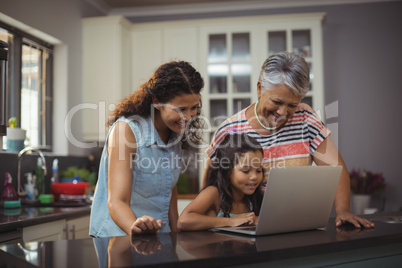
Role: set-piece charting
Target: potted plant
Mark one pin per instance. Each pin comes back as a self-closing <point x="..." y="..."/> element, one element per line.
<point x="364" y="184"/>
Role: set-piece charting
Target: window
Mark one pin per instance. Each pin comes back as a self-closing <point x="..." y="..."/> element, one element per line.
<point x="229" y="75"/>
<point x="29" y="85"/>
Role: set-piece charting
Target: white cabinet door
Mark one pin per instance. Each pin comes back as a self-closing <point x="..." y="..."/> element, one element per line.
<point x="69" y="229"/>
<point x="50" y="231"/>
<point x="147" y="55"/>
<point x="77" y="228"/>
<point x="155" y="44"/>
<point x="105" y="79"/>
<point x="181" y="44"/>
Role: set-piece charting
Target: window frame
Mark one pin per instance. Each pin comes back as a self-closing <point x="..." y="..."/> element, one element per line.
<point x="14" y="82"/>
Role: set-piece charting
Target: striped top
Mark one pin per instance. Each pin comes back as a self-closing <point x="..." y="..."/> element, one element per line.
<point x="292" y="145"/>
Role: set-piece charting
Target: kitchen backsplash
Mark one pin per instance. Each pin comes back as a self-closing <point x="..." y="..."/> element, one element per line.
<point x="9" y="163"/>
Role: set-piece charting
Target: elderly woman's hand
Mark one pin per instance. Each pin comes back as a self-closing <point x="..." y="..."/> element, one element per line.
<point x="347" y="217"/>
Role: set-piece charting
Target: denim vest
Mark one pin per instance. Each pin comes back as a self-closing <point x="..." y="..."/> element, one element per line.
<point x="156" y="169"/>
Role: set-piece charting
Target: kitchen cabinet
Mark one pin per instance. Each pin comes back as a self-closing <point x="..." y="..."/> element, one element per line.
<point x="156" y="43"/>
<point x="50" y="231"/>
<point x="68" y="229"/>
<point x="106" y="71"/>
<point x="77" y="228"/>
<point x="146" y="54"/>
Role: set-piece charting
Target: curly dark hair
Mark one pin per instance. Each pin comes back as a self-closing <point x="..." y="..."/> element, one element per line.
<point x="171" y="79"/>
<point x="231" y="148"/>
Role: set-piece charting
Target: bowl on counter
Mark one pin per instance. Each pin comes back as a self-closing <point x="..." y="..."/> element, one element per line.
<point x="69" y="189"/>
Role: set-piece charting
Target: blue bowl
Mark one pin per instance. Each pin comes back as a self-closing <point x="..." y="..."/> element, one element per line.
<point x="75" y="179"/>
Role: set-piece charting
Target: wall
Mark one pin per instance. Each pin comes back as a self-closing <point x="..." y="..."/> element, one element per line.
<point x="362" y="50"/>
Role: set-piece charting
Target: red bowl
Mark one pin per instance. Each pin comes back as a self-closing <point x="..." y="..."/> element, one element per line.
<point x="68" y="188"/>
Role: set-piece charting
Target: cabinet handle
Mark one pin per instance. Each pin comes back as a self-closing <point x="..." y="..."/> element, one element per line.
<point x="66" y="231"/>
<point x="73" y="231"/>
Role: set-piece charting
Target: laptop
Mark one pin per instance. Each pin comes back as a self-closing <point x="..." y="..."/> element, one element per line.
<point x="297" y="198"/>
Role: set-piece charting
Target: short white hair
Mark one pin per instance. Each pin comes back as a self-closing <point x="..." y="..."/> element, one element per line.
<point x="286" y="68"/>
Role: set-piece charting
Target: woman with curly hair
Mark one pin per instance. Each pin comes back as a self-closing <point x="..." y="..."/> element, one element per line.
<point x="140" y="164"/>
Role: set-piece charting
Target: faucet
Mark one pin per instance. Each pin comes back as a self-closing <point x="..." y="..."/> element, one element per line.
<point x="21" y="192"/>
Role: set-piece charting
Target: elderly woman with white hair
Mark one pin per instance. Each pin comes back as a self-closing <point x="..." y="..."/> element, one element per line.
<point x="289" y="131"/>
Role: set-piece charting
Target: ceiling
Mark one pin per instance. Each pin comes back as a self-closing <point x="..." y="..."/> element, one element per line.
<point x="153" y="3"/>
<point x="143" y="8"/>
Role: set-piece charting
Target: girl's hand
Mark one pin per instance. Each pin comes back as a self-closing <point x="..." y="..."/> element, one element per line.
<point x="244" y="219"/>
<point x="146" y="225"/>
<point x="347" y="217"/>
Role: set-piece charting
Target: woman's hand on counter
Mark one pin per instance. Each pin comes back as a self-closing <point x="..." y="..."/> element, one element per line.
<point x="347" y="217"/>
<point x="146" y="225"/>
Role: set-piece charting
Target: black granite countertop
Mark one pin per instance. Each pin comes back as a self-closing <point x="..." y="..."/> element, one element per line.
<point x="381" y="246"/>
<point x="17" y="218"/>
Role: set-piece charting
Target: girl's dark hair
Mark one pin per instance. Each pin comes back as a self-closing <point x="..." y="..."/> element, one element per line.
<point x="171" y="79"/>
<point x="227" y="156"/>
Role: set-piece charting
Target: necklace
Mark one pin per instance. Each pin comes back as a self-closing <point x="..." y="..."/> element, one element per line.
<point x="258" y="119"/>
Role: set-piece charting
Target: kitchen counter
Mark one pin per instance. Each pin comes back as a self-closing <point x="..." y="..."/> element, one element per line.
<point x="381" y="246"/>
<point x="13" y="219"/>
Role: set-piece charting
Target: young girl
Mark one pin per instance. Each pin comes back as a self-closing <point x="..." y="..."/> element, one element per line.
<point x="232" y="195"/>
<point x="140" y="164"/>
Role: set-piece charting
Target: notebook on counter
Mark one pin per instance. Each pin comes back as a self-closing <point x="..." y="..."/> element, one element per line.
<point x="297" y="198"/>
